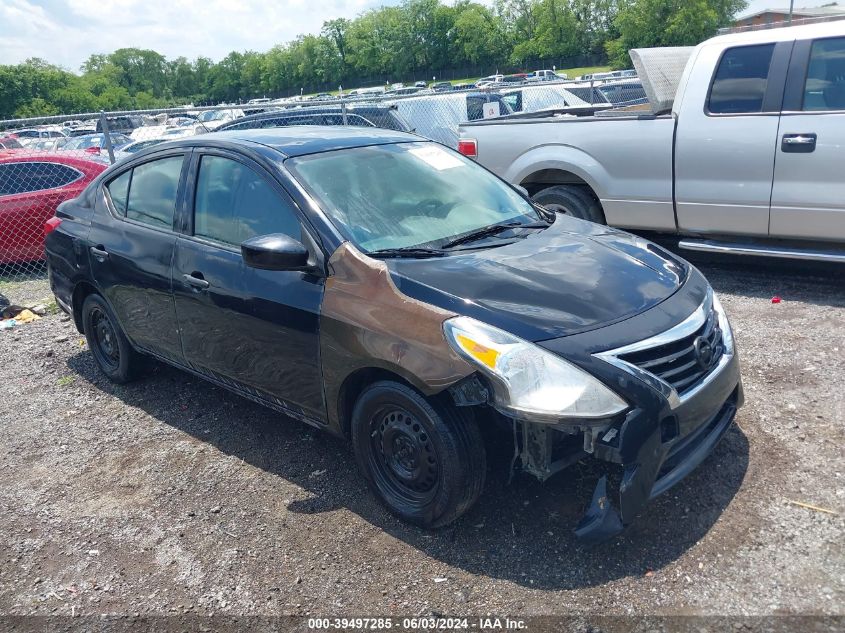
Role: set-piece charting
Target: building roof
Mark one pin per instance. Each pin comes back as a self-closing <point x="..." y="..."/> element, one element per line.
<point x="833" y="8"/>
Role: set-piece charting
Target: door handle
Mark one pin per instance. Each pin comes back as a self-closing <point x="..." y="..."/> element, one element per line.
<point x="99" y="253"/>
<point x="196" y="281"/>
<point x="798" y="143"/>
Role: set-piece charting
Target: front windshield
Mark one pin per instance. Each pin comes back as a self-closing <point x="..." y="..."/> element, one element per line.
<point x="408" y="195"/>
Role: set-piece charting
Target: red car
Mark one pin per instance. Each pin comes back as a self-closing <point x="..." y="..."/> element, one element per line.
<point x="32" y="184"/>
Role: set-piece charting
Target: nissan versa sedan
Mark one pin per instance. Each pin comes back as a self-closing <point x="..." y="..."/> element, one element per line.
<point x="386" y="289"/>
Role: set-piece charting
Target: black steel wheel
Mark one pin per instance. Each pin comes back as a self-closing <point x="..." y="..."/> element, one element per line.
<point x="109" y="346"/>
<point x="402" y="457"/>
<point x="424" y="460"/>
<point x="105" y="347"/>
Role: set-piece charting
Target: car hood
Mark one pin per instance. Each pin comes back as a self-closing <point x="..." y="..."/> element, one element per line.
<point x="573" y="277"/>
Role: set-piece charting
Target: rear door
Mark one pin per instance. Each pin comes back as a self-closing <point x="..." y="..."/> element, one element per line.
<point x="808" y="196"/>
<point x="255" y="328"/>
<point x="131" y="245"/>
<point x="726" y="137"/>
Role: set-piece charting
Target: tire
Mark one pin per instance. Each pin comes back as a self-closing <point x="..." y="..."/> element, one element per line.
<point x="108" y="344"/>
<point x="425" y="461"/>
<point x="571" y="200"/>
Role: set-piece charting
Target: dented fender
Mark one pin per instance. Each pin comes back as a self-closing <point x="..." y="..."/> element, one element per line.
<point x="366" y="322"/>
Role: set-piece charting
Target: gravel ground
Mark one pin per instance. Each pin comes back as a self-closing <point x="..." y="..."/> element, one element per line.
<point x="172" y="496"/>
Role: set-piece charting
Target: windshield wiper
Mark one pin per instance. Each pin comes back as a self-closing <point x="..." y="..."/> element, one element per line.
<point x="491" y="230"/>
<point x="410" y="251"/>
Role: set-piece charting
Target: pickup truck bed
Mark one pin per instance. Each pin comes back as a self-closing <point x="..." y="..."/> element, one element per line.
<point x="625" y="160"/>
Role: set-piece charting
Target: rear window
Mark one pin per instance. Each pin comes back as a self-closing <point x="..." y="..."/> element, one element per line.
<point x="740" y="82"/>
<point x="17" y="178"/>
<point x="384" y="119"/>
<point x="120" y="123"/>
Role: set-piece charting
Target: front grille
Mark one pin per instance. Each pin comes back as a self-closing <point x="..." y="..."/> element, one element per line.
<point x="683" y="363"/>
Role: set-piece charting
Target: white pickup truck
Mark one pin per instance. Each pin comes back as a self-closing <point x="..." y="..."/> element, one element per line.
<point x="748" y="157"/>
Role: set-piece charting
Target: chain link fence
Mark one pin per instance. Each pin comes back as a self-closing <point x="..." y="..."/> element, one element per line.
<point x="46" y="161"/>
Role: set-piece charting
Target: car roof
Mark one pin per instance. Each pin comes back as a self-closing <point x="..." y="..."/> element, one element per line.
<point x="299" y="140"/>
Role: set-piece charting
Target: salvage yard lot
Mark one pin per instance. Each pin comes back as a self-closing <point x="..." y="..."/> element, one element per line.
<point x="169" y="495"/>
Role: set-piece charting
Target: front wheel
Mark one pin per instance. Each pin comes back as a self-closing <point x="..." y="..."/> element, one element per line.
<point x="424" y="460"/>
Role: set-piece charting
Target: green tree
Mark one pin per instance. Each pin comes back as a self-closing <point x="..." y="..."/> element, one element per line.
<point x="141" y="69"/>
<point x="646" y="23"/>
<point x="478" y="35"/>
<point x="336" y="31"/>
<point x="36" y="107"/>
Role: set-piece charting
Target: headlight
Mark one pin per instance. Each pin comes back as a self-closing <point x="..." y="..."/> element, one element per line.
<point x="528" y="380"/>
<point x="724" y="325"/>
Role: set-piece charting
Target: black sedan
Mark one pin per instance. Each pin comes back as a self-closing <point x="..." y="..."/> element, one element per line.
<point x="386" y="289"/>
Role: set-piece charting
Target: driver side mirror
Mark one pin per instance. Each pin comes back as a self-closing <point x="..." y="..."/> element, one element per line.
<point x="275" y="251"/>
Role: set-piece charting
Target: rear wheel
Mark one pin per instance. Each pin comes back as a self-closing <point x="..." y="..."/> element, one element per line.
<point x="108" y="344"/>
<point x="424" y="460"/>
<point x="571" y="200"/>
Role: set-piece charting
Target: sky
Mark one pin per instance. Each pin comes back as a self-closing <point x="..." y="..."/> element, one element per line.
<point x="67" y="32"/>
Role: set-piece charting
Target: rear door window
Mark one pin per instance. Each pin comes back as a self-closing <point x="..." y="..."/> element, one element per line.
<point x="152" y="192"/>
<point x="234" y="203"/>
<point x="740" y="81"/>
<point x="824" y="88"/>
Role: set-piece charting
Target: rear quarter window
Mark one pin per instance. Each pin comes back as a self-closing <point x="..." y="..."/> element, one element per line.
<point x="27" y="177"/>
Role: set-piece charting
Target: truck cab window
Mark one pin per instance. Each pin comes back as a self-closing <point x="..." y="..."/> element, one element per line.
<point x="825" y="85"/>
<point x="740" y="81"/>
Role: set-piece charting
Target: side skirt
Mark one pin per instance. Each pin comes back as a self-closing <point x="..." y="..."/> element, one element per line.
<point x="238" y="389"/>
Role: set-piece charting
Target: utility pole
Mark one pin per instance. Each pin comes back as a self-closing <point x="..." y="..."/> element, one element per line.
<point x="791" y="4"/>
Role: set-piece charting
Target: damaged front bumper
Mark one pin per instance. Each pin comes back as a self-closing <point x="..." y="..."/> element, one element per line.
<point x="652" y="470"/>
<point x="659" y="441"/>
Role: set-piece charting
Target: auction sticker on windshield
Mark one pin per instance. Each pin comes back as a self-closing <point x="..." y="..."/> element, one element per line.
<point x="436" y="157"/>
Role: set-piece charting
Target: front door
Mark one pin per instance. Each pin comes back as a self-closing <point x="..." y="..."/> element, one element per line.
<point x="808" y="196"/>
<point x="131" y="251"/>
<point x="256" y="328"/>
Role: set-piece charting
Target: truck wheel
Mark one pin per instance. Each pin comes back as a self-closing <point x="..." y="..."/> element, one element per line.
<point x="425" y="461"/>
<point x="571" y="200"/>
<point x="109" y="346"/>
